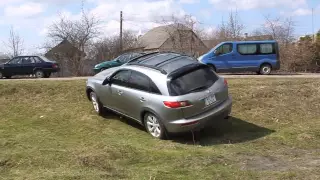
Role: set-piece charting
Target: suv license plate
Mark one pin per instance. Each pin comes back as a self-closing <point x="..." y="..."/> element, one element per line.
<point x="210" y="100"/>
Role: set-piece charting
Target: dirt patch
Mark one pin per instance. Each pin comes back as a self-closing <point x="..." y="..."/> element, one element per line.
<point x="6" y="163"/>
<point x="102" y="163"/>
<point x="290" y="160"/>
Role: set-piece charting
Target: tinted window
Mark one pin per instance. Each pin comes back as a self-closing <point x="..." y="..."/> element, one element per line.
<point x="247" y="49"/>
<point x="26" y="60"/>
<point x="266" y="48"/>
<point x="121" y="78"/>
<point x="224" y="49"/>
<point x="134" y="55"/>
<point x="194" y="81"/>
<point x="36" y="60"/>
<point x="124" y="58"/>
<point x="153" y="88"/>
<point x="139" y="81"/>
<point x="15" y="61"/>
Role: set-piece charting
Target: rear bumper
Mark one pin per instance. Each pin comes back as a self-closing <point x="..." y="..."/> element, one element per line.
<point x="203" y="120"/>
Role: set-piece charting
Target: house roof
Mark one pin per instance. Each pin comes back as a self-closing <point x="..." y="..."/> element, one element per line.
<point x="64" y="47"/>
<point x="155" y="38"/>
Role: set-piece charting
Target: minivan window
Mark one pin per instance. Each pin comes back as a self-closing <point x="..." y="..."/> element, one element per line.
<point x="142" y="82"/>
<point x="247" y="49"/>
<point x="194" y="81"/>
<point x="225" y="49"/>
<point x="266" y="48"/>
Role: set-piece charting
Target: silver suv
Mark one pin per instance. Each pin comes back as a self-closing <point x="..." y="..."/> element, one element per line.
<point x="165" y="92"/>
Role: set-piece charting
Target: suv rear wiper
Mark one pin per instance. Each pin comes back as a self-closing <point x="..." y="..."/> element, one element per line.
<point x="197" y="89"/>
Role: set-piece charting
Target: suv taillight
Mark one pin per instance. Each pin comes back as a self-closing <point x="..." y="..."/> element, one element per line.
<point x="177" y="104"/>
<point x="54" y="66"/>
<point x="225" y="82"/>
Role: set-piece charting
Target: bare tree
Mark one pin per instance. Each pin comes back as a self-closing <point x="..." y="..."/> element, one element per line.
<point x="281" y="30"/>
<point x="78" y="33"/>
<point x="14" y="44"/>
<point x="229" y="30"/>
<point x="109" y="47"/>
<point x="234" y="26"/>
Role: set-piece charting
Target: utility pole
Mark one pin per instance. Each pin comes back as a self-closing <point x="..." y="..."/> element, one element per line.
<point x="121" y="19"/>
<point x="313" y="37"/>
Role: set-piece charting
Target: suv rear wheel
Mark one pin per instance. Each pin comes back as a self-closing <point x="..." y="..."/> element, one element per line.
<point x="154" y="126"/>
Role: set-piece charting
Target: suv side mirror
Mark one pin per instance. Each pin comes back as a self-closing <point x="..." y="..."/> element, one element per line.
<point x="106" y="81"/>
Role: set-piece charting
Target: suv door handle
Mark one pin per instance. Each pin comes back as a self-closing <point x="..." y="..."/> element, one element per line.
<point x="142" y="99"/>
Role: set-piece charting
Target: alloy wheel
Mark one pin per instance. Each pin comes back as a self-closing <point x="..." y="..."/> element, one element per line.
<point x="95" y="103"/>
<point x="153" y="126"/>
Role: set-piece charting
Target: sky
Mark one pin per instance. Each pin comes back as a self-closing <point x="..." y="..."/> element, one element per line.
<point x="31" y="18"/>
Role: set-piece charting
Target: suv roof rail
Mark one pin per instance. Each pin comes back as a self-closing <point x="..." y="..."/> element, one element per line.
<point x="138" y="57"/>
<point x="150" y="66"/>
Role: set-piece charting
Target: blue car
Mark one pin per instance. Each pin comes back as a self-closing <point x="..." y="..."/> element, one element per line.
<point x="243" y="56"/>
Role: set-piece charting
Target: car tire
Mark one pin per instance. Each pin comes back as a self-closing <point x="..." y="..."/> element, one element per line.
<point x="97" y="106"/>
<point x="265" y="69"/>
<point x="39" y="74"/>
<point x="102" y="69"/>
<point x="154" y="126"/>
<point x="8" y="77"/>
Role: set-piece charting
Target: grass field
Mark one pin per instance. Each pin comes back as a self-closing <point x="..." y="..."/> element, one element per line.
<point x="48" y="130"/>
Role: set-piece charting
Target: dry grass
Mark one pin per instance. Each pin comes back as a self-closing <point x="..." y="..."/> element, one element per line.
<point x="48" y="130"/>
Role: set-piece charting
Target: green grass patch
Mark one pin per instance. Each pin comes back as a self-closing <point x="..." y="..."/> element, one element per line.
<point x="48" y="130"/>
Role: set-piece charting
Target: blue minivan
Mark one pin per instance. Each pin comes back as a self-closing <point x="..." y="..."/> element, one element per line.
<point x="239" y="56"/>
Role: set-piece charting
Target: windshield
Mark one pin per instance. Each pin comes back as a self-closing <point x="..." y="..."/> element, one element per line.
<point x="218" y="45"/>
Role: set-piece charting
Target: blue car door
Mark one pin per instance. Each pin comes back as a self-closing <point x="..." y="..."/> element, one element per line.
<point x="246" y="57"/>
<point x="222" y="55"/>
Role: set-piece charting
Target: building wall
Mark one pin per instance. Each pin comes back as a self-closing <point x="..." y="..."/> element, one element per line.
<point x="184" y="42"/>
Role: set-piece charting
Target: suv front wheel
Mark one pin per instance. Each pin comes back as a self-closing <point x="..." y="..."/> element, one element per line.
<point x="98" y="107"/>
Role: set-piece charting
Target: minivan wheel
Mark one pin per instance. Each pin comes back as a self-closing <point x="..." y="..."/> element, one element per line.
<point x="265" y="69"/>
<point x="154" y="126"/>
<point x="96" y="103"/>
<point x="39" y="74"/>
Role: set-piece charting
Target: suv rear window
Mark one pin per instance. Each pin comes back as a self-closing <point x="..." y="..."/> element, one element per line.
<point x="197" y="80"/>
